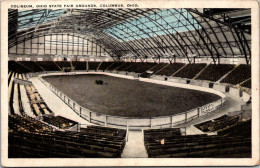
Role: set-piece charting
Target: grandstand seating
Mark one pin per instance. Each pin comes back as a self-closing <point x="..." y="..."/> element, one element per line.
<point x="218" y="123"/>
<point x="170" y="69"/>
<point x="38" y="105"/>
<point x="104" y="131"/>
<point x="145" y="75"/>
<point x="15" y="94"/>
<point x="239" y="129"/>
<point x="79" y="65"/>
<point x="93" y="65"/>
<point x="247" y="84"/>
<point x="32" y="66"/>
<point x="162" y="133"/>
<point x="31" y="138"/>
<point x="215" y="72"/>
<point x="133" y="67"/>
<point x="59" y="121"/>
<point x="105" y="65"/>
<point x="114" y="66"/>
<point x="27" y="140"/>
<point x="190" y="71"/>
<point x="212" y="72"/>
<point x="48" y="65"/>
<point x="144" y="67"/>
<point x="17" y="67"/>
<point x="238" y="75"/>
<point x="174" y="145"/>
<point x="124" y="66"/>
<point x="26" y="123"/>
<point x="158" y="67"/>
<point x="62" y="64"/>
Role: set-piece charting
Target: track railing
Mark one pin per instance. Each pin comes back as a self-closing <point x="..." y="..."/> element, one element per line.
<point x="135" y="123"/>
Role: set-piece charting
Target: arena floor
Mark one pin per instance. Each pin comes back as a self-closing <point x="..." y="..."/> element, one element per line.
<point x="129" y="98"/>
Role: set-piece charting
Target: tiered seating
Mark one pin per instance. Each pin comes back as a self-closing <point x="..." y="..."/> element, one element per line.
<point x="125" y="66"/>
<point x="190" y="71"/>
<point x="38" y="105"/>
<point x="162" y="133"/>
<point x="134" y="66"/>
<point x="145" y="75"/>
<point x="170" y="69"/>
<point x="233" y="141"/>
<point x="247" y="84"/>
<point x="114" y="66"/>
<point x="32" y="65"/>
<point x="26" y="124"/>
<point x="144" y="67"/>
<point x="39" y="143"/>
<point x="17" y="67"/>
<point x="241" y="129"/>
<point x="105" y="65"/>
<point x="238" y="75"/>
<point x="215" y="72"/>
<point x="79" y="65"/>
<point x="158" y="67"/>
<point x="93" y="65"/>
<point x="104" y="131"/>
<point x="59" y="121"/>
<point x="15" y="97"/>
<point x="198" y="146"/>
<point x="63" y="64"/>
<point x="48" y="65"/>
<point x="220" y="123"/>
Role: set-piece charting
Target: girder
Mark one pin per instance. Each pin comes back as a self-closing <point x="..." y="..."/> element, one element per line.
<point x="143" y="33"/>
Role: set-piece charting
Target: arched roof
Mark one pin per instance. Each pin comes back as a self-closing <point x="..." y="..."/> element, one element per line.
<point x="144" y="32"/>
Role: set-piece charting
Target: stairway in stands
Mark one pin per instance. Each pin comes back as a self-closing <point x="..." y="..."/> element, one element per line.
<point x="134" y="147"/>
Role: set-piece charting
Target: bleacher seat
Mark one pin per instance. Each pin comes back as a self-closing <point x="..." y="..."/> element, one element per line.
<point x="215" y="72"/>
<point x="124" y="66"/>
<point x="158" y="67"/>
<point x="197" y="146"/>
<point x="28" y="138"/>
<point x="170" y="69"/>
<point x="238" y="75"/>
<point x="144" y="67"/>
<point x="190" y="71"/>
<point x="48" y="65"/>
<point x="93" y="65"/>
<point x="78" y="65"/>
<point x="114" y="66"/>
<point x="105" y="65"/>
<point x="32" y="66"/>
<point x="18" y="67"/>
<point x="62" y="64"/>
<point x="134" y="66"/>
<point x="217" y="124"/>
<point x="59" y="121"/>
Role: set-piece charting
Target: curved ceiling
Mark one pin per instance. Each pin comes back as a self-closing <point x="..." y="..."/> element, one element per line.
<point x="144" y="32"/>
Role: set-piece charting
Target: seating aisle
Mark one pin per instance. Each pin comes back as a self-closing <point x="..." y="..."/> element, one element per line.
<point x="135" y="148"/>
<point x="55" y="103"/>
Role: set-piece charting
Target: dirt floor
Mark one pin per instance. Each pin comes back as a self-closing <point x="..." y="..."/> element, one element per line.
<point x="130" y="98"/>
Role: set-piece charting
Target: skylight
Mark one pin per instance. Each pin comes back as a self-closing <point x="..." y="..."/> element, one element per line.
<point x="27" y="19"/>
<point x="162" y="22"/>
